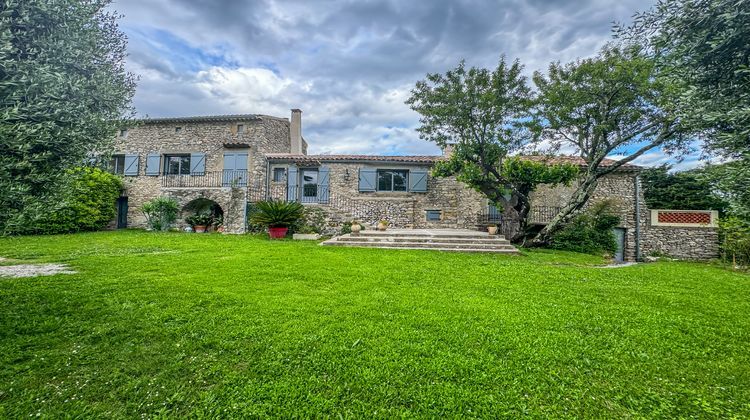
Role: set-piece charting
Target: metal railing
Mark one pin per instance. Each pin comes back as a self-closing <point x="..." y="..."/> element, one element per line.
<point x="542" y="215"/>
<point x="212" y="179"/>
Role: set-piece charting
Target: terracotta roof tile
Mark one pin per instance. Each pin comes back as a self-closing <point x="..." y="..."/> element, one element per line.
<point x="425" y="159"/>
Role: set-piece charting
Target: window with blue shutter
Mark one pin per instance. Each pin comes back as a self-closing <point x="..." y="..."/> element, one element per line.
<point x="152" y="164"/>
<point x="131" y="165"/>
<point x="197" y="164"/>
<point x="367" y="179"/>
<point x="418" y="181"/>
<point x="323" y="176"/>
<point x="291" y="186"/>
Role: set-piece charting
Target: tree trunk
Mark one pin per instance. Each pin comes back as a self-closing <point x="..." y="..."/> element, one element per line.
<point x="577" y="202"/>
<point x="522" y="208"/>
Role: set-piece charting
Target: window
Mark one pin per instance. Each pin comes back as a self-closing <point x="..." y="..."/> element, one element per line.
<point x="240" y="128"/>
<point x="117" y="164"/>
<point x="177" y="129"/>
<point x="123" y="132"/>
<point x="177" y="165"/>
<point x="392" y="180"/>
<point x="279" y="174"/>
<point x="433" y="215"/>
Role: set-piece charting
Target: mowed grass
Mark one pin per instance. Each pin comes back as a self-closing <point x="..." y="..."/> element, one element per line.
<point x="218" y="326"/>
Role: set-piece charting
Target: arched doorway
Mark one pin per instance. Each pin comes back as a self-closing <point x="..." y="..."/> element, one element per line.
<point x="205" y="206"/>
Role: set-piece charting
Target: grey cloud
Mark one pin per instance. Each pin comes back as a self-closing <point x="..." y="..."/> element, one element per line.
<point x="345" y="62"/>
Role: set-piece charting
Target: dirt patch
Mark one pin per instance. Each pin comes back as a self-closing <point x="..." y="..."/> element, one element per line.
<point x="33" y="270"/>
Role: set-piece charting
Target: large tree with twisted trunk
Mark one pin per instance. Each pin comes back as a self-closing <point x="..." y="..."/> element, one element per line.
<point x="609" y="105"/>
<point x="482" y="115"/>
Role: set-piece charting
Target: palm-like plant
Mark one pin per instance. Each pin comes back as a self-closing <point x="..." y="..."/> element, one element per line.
<point x="277" y="213"/>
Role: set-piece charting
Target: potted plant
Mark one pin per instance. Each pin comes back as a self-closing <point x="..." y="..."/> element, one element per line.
<point x="383" y="224"/>
<point x="199" y="221"/>
<point x="219" y="223"/>
<point x="356" y="228"/>
<point x="277" y="216"/>
<point x="492" y="229"/>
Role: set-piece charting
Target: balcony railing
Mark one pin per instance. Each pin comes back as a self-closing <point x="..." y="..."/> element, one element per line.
<point x="215" y="179"/>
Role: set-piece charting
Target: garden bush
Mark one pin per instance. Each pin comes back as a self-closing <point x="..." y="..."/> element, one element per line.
<point x="253" y="227"/>
<point x="161" y="212"/>
<point x="735" y="241"/>
<point x="589" y="232"/>
<point x="83" y="201"/>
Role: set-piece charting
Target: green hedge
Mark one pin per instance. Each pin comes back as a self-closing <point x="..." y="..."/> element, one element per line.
<point x="589" y="232"/>
<point x="83" y="201"/>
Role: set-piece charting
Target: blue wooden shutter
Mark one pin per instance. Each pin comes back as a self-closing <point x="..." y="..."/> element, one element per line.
<point x="152" y="164"/>
<point x="367" y="179"/>
<point x="240" y="168"/>
<point x="197" y="164"/>
<point x="418" y="181"/>
<point x="291" y="186"/>
<point x="323" y="175"/>
<point x="131" y="165"/>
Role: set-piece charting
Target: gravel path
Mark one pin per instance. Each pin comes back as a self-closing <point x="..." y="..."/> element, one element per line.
<point x="33" y="270"/>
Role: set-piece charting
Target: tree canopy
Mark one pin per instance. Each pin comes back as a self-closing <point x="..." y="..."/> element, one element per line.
<point x="481" y="116"/>
<point x="689" y="190"/>
<point x="609" y="104"/>
<point x="63" y="93"/>
<point x="701" y="47"/>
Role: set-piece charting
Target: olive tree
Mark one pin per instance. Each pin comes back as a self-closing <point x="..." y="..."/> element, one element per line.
<point x="63" y="93"/>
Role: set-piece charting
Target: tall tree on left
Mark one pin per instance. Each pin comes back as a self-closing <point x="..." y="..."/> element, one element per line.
<point x="64" y="92"/>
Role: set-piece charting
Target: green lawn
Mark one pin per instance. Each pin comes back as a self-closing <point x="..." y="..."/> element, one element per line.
<point x="213" y="325"/>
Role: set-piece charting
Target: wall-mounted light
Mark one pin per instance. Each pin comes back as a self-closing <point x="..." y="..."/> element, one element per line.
<point x="346" y="175"/>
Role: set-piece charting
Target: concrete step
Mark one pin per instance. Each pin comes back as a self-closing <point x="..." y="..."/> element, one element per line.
<point x="425" y="245"/>
<point x="503" y="250"/>
<point x="416" y="233"/>
<point x="425" y="239"/>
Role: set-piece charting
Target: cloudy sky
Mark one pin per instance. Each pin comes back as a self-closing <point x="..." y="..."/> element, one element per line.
<point x="349" y="65"/>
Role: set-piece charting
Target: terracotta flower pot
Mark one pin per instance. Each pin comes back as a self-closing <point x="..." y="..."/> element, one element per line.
<point x="356" y="228"/>
<point x="199" y="229"/>
<point x="492" y="230"/>
<point x="277" y="232"/>
<point x="382" y="226"/>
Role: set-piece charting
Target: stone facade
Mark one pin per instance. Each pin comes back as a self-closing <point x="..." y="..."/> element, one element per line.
<point x="268" y="141"/>
<point x="255" y="135"/>
<point x="457" y="204"/>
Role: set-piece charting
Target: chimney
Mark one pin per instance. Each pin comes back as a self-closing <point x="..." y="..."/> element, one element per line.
<point x="295" y="132"/>
<point x="448" y="150"/>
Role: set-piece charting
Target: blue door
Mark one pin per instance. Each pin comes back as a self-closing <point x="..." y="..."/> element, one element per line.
<point x="309" y="184"/>
<point x="620" y="239"/>
<point x="235" y="170"/>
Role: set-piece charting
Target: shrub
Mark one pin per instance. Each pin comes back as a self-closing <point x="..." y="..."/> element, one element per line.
<point x="313" y="221"/>
<point x="253" y="227"/>
<point x="277" y="213"/>
<point x="84" y="201"/>
<point x="161" y="212"/>
<point x="735" y="240"/>
<point x="589" y="232"/>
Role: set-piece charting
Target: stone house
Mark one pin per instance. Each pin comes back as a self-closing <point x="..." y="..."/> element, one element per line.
<point x="227" y="161"/>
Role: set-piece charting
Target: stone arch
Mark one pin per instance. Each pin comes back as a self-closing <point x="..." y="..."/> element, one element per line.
<point x="202" y="204"/>
<point x="231" y="204"/>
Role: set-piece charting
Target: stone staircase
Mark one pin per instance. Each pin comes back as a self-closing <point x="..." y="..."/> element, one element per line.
<point x="455" y="240"/>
